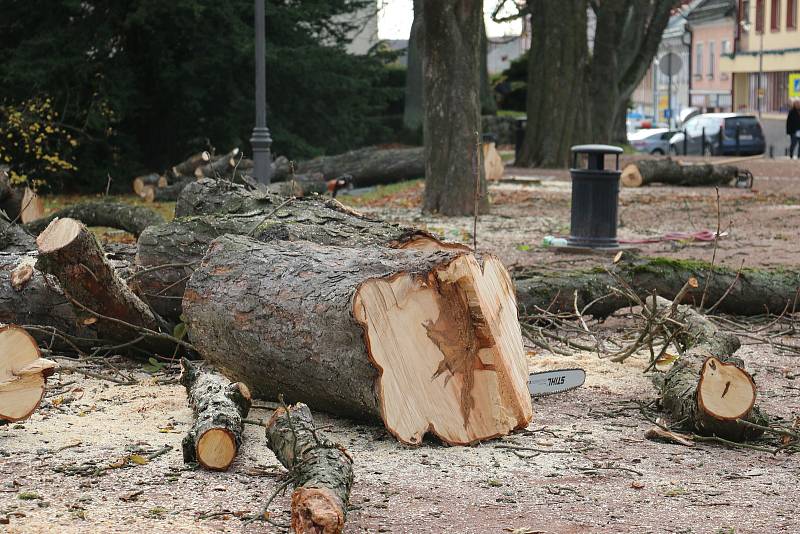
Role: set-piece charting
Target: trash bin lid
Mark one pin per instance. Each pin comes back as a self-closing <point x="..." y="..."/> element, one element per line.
<point x="597" y="149"/>
<point x="595" y="155"/>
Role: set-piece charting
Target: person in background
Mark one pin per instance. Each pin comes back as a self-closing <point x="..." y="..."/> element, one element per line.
<point x="793" y="129"/>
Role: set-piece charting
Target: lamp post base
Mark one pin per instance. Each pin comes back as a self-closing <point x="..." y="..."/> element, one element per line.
<point x="261" y="141"/>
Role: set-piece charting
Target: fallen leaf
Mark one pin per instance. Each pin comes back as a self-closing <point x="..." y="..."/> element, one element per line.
<point x="138" y="459"/>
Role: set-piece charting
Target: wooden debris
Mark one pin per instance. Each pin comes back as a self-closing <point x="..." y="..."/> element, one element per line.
<point x="148" y="180"/>
<point x="19" y="202"/>
<point x="219" y="407"/>
<point x="322" y="471"/>
<point x="23" y="374"/>
<point x="669" y="171"/>
<point x="424" y="341"/>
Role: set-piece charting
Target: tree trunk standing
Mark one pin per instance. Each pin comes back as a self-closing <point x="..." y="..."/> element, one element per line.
<point x="451" y="100"/>
<point x="556" y="71"/>
<point x="412" y="111"/>
<point x="488" y="103"/>
<point x="602" y="89"/>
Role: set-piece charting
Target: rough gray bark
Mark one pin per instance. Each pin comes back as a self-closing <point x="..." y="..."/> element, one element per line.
<point x="669" y="171"/>
<point x="133" y="219"/>
<point x="412" y="110"/>
<point x="13" y="238"/>
<point x="679" y="386"/>
<point x="301" y="185"/>
<point x="368" y="166"/>
<point x="180" y="244"/>
<point x="219" y="407"/>
<point x="322" y="470"/>
<point x="755" y="292"/>
<point x="218" y="167"/>
<point x="488" y="103"/>
<point x="72" y="254"/>
<point x="451" y="100"/>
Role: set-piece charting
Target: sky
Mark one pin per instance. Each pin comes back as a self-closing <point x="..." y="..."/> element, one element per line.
<point x="395" y="16"/>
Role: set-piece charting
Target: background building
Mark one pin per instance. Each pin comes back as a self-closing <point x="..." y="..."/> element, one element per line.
<point x="713" y="27"/>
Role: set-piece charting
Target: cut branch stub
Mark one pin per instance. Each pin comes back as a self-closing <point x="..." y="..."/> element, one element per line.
<point x="424" y="341"/>
<point x="22" y="374"/>
<point x="219" y="407"/>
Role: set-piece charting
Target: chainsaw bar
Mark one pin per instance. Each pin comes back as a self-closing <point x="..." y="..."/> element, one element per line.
<point x="546" y="383"/>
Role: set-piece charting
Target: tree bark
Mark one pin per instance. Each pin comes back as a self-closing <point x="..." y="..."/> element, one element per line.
<point x="13" y="238"/>
<point x="756" y="291"/>
<point x="168" y="193"/>
<point x="187" y="167"/>
<point x="322" y="471"/>
<point x="20" y="203"/>
<point x="669" y="171"/>
<point x="132" y="219"/>
<point x="412" y="110"/>
<point x="219" y="407"/>
<point x="169" y="253"/>
<point x="219" y="166"/>
<point x="488" y="103"/>
<point x="368" y="166"/>
<point x="152" y="180"/>
<point x="23" y="373"/>
<point x="424" y="341"/>
<point x="71" y="253"/>
<point x="302" y="185"/>
<point x="451" y="99"/>
<point x="708" y="387"/>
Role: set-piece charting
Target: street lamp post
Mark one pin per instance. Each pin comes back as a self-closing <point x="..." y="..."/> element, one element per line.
<point x="260" y="139"/>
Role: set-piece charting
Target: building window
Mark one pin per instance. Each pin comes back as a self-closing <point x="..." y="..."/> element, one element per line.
<point x="698" y="59"/>
<point x="775" y="15"/>
<point x="791" y="14"/>
<point x="711" y="60"/>
<point x="760" y="16"/>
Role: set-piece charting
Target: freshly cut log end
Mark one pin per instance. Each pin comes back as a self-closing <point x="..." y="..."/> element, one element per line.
<point x="322" y="470"/>
<point x="219" y="407"/>
<point x="631" y="177"/>
<point x="22" y="374"/>
<point x="423" y="341"/>
<point x="449" y="348"/>
<point x="725" y="392"/>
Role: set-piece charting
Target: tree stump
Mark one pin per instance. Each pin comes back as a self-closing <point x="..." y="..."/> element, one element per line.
<point x="23" y="374"/>
<point x="424" y="341"/>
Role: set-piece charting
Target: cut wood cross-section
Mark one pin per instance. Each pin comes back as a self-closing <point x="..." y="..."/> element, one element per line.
<point x="424" y="341"/>
<point x="22" y="374"/>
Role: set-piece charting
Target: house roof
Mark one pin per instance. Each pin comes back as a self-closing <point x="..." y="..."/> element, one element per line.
<point x="712" y="10"/>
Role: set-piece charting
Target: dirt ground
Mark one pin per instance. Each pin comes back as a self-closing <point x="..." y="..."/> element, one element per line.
<point x="70" y="467"/>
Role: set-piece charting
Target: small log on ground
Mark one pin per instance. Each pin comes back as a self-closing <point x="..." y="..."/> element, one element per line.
<point x="132" y="219"/>
<point x="187" y="167"/>
<point x="29" y="297"/>
<point x="169" y="193"/>
<point x="669" y="171"/>
<point x="71" y="253"/>
<point x="424" y="341"/>
<point x="368" y="166"/>
<point x="23" y="374"/>
<point x="218" y="167"/>
<point x="708" y="387"/>
<point x="13" y="238"/>
<point x="756" y="291"/>
<point x="322" y="471"/>
<point x="19" y="202"/>
<point x="153" y="180"/>
<point x="219" y="407"/>
<point x="169" y="253"/>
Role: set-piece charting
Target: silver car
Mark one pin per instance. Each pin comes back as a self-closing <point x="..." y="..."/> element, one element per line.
<point x="651" y="141"/>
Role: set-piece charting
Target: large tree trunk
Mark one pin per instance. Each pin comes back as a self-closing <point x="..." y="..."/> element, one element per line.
<point x="707" y="387"/>
<point x="23" y="373"/>
<point x="169" y="253"/>
<point x="219" y="407"/>
<point x="368" y="166"/>
<point x="412" y="110"/>
<point x="488" y="103"/>
<point x="756" y="291"/>
<point x="451" y="66"/>
<point x="669" y="171"/>
<point x="71" y="253"/>
<point x="425" y="341"/>
<point x="133" y="219"/>
<point x="556" y="104"/>
<point x="322" y="471"/>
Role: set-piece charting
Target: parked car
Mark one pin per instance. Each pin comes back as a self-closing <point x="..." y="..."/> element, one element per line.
<point x="651" y="141"/>
<point x="715" y="134"/>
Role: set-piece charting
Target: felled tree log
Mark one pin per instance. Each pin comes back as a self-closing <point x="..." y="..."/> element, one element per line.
<point x="219" y="166"/>
<point x="708" y="387"/>
<point x="153" y="180"/>
<point x="23" y="374"/>
<point x="71" y="253"/>
<point x="27" y="297"/>
<point x="187" y="167"/>
<point x="669" y="171"/>
<point x="322" y="471"/>
<point x="13" y="238"/>
<point x="368" y="166"/>
<point x="424" y="341"/>
<point x="132" y="219"/>
<point x="303" y="185"/>
<point x="169" y="193"/>
<point x="19" y="203"/>
<point x="755" y="292"/>
<point x="219" y="407"/>
<point x="169" y="253"/>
